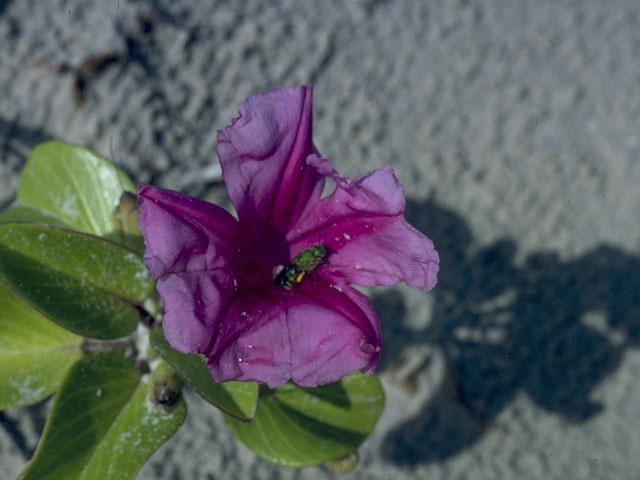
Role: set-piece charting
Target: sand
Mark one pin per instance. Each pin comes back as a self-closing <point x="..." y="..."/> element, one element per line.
<point x="514" y="127"/>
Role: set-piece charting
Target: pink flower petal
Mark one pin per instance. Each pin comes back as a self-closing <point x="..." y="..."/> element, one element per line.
<point x="252" y="343"/>
<point x="183" y="233"/>
<point x="194" y="251"/>
<point x="333" y="333"/>
<point x="315" y="334"/>
<point x="194" y="303"/>
<point x="263" y="153"/>
<point x="362" y="226"/>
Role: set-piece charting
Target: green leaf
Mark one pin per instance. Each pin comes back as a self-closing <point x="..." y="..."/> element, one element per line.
<point x="95" y="260"/>
<point x="141" y="427"/>
<point x="73" y="184"/>
<point x="23" y="213"/>
<point x="94" y="392"/>
<point x="103" y="423"/>
<point x="299" y="427"/>
<point x="35" y="353"/>
<point x="84" y="283"/>
<point x="237" y="399"/>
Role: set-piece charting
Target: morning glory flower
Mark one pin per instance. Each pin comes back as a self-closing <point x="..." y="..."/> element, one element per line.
<point x="268" y="296"/>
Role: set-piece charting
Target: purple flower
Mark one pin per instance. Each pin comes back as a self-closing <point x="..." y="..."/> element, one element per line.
<point x="221" y="280"/>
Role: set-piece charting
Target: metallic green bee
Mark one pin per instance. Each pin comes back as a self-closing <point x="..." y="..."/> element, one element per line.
<point x="302" y="264"/>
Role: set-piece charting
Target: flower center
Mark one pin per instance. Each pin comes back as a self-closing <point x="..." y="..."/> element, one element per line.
<point x="256" y="275"/>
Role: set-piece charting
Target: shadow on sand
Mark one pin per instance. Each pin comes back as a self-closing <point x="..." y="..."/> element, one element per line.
<point x="551" y="328"/>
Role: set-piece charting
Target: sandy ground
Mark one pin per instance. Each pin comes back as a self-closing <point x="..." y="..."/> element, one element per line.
<point x="514" y="126"/>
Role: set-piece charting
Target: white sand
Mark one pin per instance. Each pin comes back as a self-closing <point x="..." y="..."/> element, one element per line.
<point x="514" y="127"/>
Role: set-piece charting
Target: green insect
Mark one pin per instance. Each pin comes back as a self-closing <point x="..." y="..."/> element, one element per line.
<point x="302" y="264"/>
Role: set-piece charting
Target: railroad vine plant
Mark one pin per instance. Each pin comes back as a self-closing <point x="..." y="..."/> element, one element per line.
<point x="114" y="297"/>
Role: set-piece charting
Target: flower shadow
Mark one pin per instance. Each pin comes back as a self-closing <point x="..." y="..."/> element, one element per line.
<point x="549" y="327"/>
